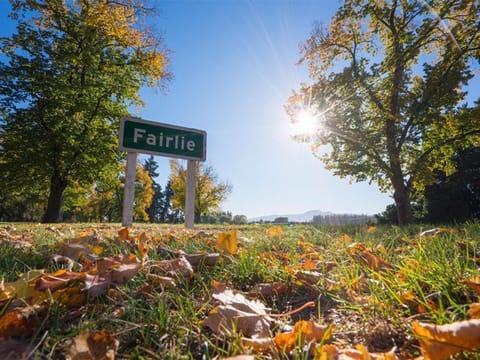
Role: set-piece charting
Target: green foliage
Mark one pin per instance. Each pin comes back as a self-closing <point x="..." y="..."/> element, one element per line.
<point x="388" y="91"/>
<point x="160" y="209"/>
<point x="209" y="191"/>
<point x="72" y="70"/>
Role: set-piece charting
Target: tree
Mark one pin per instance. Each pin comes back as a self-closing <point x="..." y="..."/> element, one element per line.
<point x="73" y="69"/>
<point x="154" y="210"/>
<point x="384" y="117"/>
<point x="103" y="201"/>
<point x="209" y="192"/>
<point x="240" y="220"/>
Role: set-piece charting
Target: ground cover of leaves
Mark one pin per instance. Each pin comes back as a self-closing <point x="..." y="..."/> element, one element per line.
<point x="100" y="291"/>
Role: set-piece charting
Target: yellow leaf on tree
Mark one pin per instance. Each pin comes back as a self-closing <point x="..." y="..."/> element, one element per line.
<point x="227" y="242"/>
<point x="438" y="342"/>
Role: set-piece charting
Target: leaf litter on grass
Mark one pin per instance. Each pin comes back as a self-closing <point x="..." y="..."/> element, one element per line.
<point x="334" y="296"/>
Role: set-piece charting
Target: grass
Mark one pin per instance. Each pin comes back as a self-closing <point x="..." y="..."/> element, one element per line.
<point x="367" y="304"/>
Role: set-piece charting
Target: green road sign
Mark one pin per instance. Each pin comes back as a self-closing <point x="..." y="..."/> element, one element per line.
<point x="138" y="135"/>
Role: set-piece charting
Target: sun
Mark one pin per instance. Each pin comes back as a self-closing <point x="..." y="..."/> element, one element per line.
<point x="305" y="123"/>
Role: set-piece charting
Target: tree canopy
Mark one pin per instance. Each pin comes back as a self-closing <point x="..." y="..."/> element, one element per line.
<point x="388" y="91"/>
<point x="209" y="191"/>
<point x="72" y="70"/>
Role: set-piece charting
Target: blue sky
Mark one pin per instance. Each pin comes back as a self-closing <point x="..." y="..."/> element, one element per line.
<point x="234" y="68"/>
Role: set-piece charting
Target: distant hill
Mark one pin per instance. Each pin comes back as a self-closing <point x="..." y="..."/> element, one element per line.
<point x="305" y="217"/>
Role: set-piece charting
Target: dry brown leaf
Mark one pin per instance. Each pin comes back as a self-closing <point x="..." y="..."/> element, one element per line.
<point x="236" y="313"/>
<point x="92" y="345"/>
<point x="123" y="273"/>
<point x="162" y="280"/>
<point x="57" y="280"/>
<point x="198" y="260"/>
<point x="176" y="268"/>
<point x="271" y="289"/>
<point x="77" y="251"/>
<point x="440" y="341"/>
<point x="259" y="345"/>
<point x="374" y="262"/>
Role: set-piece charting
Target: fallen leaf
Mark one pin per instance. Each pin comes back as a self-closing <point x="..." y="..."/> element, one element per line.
<point x="274" y="231"/>
<point x="236" y="312"/>
<point x="302" y="333"/>
<point x="77" y="251"/>
<point x="440" y="341"/>
<point x="162" y="280"/>
<point x="177" y="268"/>
<point x="332" y="352"/>
<point x="374" y="262"/>
<point x="24" y="288"/>
<point x="198" y="260"/>
<point x="345" y="238"/>
<point x="92" y="345"/>
<point x="433" y="232"/>
<point x="474" y="284"/>
<point x="259" y="344"/>
<point x="19" y="322"/>
<point x="123" y="234"/>
<point x="271" y="289"/>
<point x="227" y="241"/>
<point x="240" y="357"/>
<point x="474" y="311"/>
<point x="57" y="280"/>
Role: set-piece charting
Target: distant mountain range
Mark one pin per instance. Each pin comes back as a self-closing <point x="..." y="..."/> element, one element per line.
<point x="306" y="216"/>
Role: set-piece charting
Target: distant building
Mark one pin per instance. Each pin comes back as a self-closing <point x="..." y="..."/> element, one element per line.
<point x="343" y="219"/>
<point x="281" y="220"/>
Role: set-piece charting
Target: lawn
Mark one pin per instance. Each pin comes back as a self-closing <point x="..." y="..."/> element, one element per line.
<point x="100" y="291"/>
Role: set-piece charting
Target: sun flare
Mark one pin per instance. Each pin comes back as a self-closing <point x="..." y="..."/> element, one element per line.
<point x="306" y="123"/>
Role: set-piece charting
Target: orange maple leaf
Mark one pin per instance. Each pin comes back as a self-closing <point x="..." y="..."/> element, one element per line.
<point x="438" y="342"/>
<point x="305" y="332"/>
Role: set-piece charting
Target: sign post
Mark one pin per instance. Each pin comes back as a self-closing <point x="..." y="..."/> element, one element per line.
<point x="138" y="135"/>
<point x="129" y="192"/>
<point x="190" y="195"/>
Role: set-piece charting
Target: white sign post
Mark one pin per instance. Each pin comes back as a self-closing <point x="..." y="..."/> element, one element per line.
<point x="190" y="195"/>
<point x="138" y="135"/>
<point x="129" y="193"/>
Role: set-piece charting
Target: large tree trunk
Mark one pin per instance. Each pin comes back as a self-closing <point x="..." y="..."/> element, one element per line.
<point x="53" y="213"/>
<point x="402" y="202"/>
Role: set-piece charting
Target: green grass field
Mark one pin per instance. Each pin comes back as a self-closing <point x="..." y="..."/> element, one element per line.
<point x="91" y="291"/>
